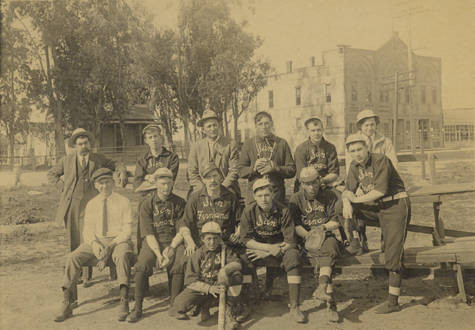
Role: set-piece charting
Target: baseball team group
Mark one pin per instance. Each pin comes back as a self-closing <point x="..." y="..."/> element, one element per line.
<point x="212" y="243"/>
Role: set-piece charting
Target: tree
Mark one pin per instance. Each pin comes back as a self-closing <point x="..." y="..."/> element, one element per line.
<point x="84" y="50"/>
<point x="16" y="75"/>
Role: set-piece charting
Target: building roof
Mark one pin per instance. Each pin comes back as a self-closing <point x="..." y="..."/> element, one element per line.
<point x="138" y="113"/>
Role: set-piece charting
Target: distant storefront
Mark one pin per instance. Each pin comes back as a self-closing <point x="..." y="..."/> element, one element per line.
<point x="459" y="127"/>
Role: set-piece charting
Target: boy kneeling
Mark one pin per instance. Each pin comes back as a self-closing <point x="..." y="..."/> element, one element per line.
<point x="206" y="278"/>
<point x="313" y="211"/>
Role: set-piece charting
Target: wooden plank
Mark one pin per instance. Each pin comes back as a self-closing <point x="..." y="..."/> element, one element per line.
<point x="427" y="229"/>
<point x="441" y="189"/>
<point x="460" y="283"/>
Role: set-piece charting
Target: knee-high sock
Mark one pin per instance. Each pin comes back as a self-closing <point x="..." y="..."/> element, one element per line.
<point x="394" y="287"/>
<point x="176" y="286"/>
<point x="294" y="279"/>
<point x="140" y="283"/>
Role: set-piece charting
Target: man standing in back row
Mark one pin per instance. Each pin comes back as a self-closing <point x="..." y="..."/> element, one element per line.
<point x="266" y="156"/>
<point x="217" y="149"/>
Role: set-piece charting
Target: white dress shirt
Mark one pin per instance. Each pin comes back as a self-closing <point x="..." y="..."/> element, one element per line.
<point x="119" y="219"/>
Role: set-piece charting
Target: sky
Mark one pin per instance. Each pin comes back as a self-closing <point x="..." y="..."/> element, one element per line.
<point x="298" y="29"/>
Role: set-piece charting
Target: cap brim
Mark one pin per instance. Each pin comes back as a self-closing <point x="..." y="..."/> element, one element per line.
<point x="72" y="140"/>
<point x="145" y="186"/>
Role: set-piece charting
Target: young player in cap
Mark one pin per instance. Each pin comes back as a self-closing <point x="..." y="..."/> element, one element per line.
<point x="315" y="217"/>
<point x="162" y="244"/>
<point x="107" y="232"/>
<point x="317" y="152"/>
<point x="157" y="156"/>
<point x="266" y="156"/>
<point x="213" y="202"/>
<point x="205" y="278"/>
<point x="367" y="122"/>
<point x="267" y="231"/>
<point x="383" y="198"/>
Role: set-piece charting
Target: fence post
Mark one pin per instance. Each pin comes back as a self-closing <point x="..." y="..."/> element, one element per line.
<point x="432" y="169"/>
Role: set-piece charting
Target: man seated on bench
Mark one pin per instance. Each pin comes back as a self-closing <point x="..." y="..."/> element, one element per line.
<point x="384" y="199"/>
<point x="159" y="215"/>
<point x="107" y="231"/>
<point x="267" y="231"/>
<point x="314" y="215"/>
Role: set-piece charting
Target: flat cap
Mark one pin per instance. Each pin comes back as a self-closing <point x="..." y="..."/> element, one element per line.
<point x="313" y="119"/>
<point x="207" y="114"/>
<point x="101" y="173"/>
<point x="208" y="169"/>
<point x="261" y="114"/>
<point x="152" y="126"/>
<point x="211" y="227"/>
<point x="365" y="114"/>
<point x="353" y="138"/>
<point x="308" y="174"/>
<point x="260" y="183"/>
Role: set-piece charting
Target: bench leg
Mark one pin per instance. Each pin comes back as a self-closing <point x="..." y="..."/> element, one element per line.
<point x="460" y="283"/>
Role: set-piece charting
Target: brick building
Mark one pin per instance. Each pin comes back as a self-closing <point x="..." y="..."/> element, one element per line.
<point x="348" y="80"/>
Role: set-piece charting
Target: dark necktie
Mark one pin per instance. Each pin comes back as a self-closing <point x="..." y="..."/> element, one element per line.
<point x="104" y="218"/>
<point x="83" y="162"/>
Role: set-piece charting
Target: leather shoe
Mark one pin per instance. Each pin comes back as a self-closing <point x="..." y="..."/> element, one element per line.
<point x="297" y="314"/>
<point x="123" y="309"/>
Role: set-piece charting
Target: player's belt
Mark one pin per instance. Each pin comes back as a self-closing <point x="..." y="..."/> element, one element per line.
<point x="394" y="197"/>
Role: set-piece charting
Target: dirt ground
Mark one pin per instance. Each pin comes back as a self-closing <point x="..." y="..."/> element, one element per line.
<point x="33" y="250"/>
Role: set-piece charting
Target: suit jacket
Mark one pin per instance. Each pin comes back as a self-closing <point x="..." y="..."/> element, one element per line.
<point x="226" y="159"/>
<point x="67" y="168"/>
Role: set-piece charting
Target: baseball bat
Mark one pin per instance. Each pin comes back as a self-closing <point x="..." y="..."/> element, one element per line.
<point x="222" y="295"/>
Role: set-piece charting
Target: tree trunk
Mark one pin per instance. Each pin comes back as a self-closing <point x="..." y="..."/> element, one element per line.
<point x="225" y="119"/>
<point x="11" y="147"/>
<point x="235" y="119"/>
<point x="186" y="142"/>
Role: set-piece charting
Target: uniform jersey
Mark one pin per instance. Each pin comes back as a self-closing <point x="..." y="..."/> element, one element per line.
<point x="161" y="218"/>
<point x="204" y="265"/>
<point x="200" y="209"/>
<point x="377" y="173"/>
<point x="275" y="226"/>
<point x="322" y="156"/>
<point x="311" y="212"/>
<point x="148" y="164"/>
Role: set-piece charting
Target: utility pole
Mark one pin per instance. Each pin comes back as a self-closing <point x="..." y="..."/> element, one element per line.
<point x="409" y="12"/>
<point x="395" y="113"/>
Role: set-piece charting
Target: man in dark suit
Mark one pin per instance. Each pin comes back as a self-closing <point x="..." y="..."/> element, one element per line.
<point x="72" y="176"/>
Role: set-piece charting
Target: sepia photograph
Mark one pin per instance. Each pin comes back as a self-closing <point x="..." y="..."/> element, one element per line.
<point x="237" y="164"/>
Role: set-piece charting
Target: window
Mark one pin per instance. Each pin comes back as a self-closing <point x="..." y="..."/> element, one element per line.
<point x="354" y="92"/>
<point x="369" y="95"/>
<point x="408" y="95"/>
<point x="386" y="96"/>
<point x="328" y="95"/>
<point x="399" y="95"/>
<point x="329" y="122"/>
<point x="423" y="94"/>
<point x="297" y="96"/>
<point x="298" y="123"/>
<point x="271" y="99"/>
<point x="434" y="96"/>
<point x="387" y="129"/>
<point x="352" y="128"/>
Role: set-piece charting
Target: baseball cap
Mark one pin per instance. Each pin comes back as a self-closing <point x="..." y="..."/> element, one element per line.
<point x="152" y="126"/>
<point x="353" y="138"/>
<point x="260" y="183"/>
<point x="308" y="174"/>
<point x="163" y="172"/>
<point x="101" y="173"/>
<point x="365" y="114"/>
<point x="312" y="119"/>
<point x="211" y="227"/>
